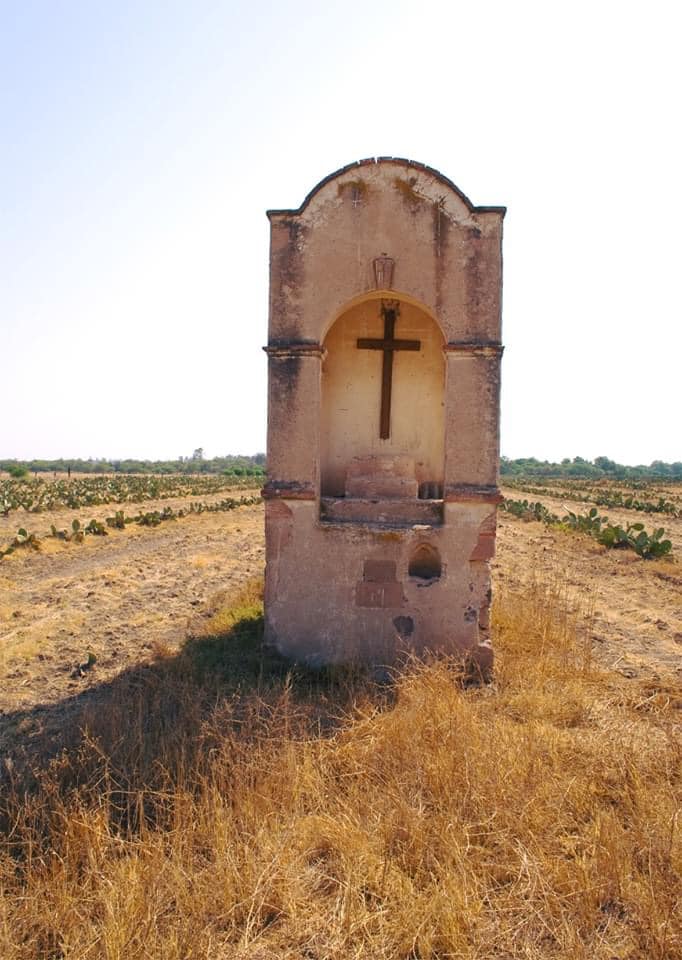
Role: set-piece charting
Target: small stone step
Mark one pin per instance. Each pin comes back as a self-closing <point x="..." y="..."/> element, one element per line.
<point x="395" y="465"/>
<point x="382" y="487"/>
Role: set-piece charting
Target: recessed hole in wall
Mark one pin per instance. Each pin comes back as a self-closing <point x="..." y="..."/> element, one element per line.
<point x="430" y="490"/>
<point x="404" y="626"/>
<point x="425" y="563"/>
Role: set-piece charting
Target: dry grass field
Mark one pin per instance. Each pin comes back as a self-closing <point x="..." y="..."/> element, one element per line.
<point x="191" y="796"/>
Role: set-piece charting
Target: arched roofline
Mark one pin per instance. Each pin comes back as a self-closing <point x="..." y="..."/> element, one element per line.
<point x="409" y="164"/>
<point x="382" y="295"/>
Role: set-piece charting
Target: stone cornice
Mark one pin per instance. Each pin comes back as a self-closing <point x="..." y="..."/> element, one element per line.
<point x="288" y="490"/>
<point x="472" y="493"/>
<point x="294" y="348"/>
<point x="474" y="348"/>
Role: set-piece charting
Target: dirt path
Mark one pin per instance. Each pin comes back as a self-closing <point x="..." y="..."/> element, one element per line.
<point x="115" y="597"/>
<point x="119" y="596"/>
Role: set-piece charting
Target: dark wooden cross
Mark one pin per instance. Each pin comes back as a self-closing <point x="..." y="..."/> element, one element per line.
<point x="389" y="345"/>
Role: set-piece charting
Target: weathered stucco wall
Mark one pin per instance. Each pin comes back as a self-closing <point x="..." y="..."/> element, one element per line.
<point x="447" y="253"/>
<point x="338" y="593"/>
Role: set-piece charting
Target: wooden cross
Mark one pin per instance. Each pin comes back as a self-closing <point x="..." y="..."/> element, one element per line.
<point x="388" y="345"/>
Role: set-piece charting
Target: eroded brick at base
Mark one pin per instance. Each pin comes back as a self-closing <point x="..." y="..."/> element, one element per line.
<point x="484" y="613"/>
<point x="278" y="510"/>
<point x="479" y="661"/>
<point x="404" y="626"/>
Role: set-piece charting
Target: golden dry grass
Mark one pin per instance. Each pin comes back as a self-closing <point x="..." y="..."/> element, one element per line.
<point x="217" y="806"/>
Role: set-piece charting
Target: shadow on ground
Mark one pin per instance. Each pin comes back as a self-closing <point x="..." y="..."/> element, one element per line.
<point x="142" y="731"/>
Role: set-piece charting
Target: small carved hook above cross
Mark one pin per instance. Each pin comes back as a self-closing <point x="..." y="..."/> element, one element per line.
<point x="383" y="272"/>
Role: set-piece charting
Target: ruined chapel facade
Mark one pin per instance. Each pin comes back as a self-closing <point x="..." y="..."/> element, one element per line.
<point x="383" y="426"/>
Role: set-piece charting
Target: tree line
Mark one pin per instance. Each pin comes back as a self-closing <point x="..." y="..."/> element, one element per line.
<point x="595" y="469"/>
<point x="237" y="464"/>
<point x="243" y="465"/>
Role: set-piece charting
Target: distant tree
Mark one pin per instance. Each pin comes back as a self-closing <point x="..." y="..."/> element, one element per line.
<point x="608" y="466"/>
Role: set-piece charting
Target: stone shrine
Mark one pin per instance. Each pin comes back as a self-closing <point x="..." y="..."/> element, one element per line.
<point x="383" y="425"/>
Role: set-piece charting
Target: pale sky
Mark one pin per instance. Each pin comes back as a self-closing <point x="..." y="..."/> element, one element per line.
<point x="141" y="143"/>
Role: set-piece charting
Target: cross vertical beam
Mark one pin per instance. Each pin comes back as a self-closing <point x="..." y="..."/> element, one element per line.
<point x="388" y="345"/>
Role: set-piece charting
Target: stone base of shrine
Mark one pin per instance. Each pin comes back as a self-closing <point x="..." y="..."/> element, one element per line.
<point x="371" y="592"/>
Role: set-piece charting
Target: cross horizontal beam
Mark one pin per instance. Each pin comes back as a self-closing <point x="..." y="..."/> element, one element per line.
<point x="367" y="343"/>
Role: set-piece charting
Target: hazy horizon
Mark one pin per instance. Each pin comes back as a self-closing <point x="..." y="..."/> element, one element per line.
<point x="219" y="456"/>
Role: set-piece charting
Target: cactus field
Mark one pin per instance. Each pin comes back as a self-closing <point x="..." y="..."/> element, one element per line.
<point x="109" y="570"/>
<point x="113" y="565"/>
<point x="617" y="561"/>
<point x="40" y="495"/>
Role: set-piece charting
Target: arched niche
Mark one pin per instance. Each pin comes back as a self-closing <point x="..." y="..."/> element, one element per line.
<point x="353" y="389"/>
<point x="425" y="563"/>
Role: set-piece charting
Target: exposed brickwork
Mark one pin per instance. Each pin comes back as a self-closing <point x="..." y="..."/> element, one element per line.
<point x="369" y="594"/>
<point x="379" y="571"/>
<point x="278" y="510"/>
<point x="393" y="595"/>
<point x="485" y="546"/>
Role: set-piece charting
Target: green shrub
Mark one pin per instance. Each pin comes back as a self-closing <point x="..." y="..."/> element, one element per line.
<point x="17" y="472"/>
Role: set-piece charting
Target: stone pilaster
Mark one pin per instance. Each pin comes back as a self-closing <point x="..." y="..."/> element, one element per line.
<point x="293" y="420"/>
<point x="472" y="402"/>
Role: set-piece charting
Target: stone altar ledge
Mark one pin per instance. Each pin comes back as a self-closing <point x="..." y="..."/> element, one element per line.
<point x="391" y="512"/>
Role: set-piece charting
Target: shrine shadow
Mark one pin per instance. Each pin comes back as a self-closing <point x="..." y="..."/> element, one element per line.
<point x="145" y="728"/>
